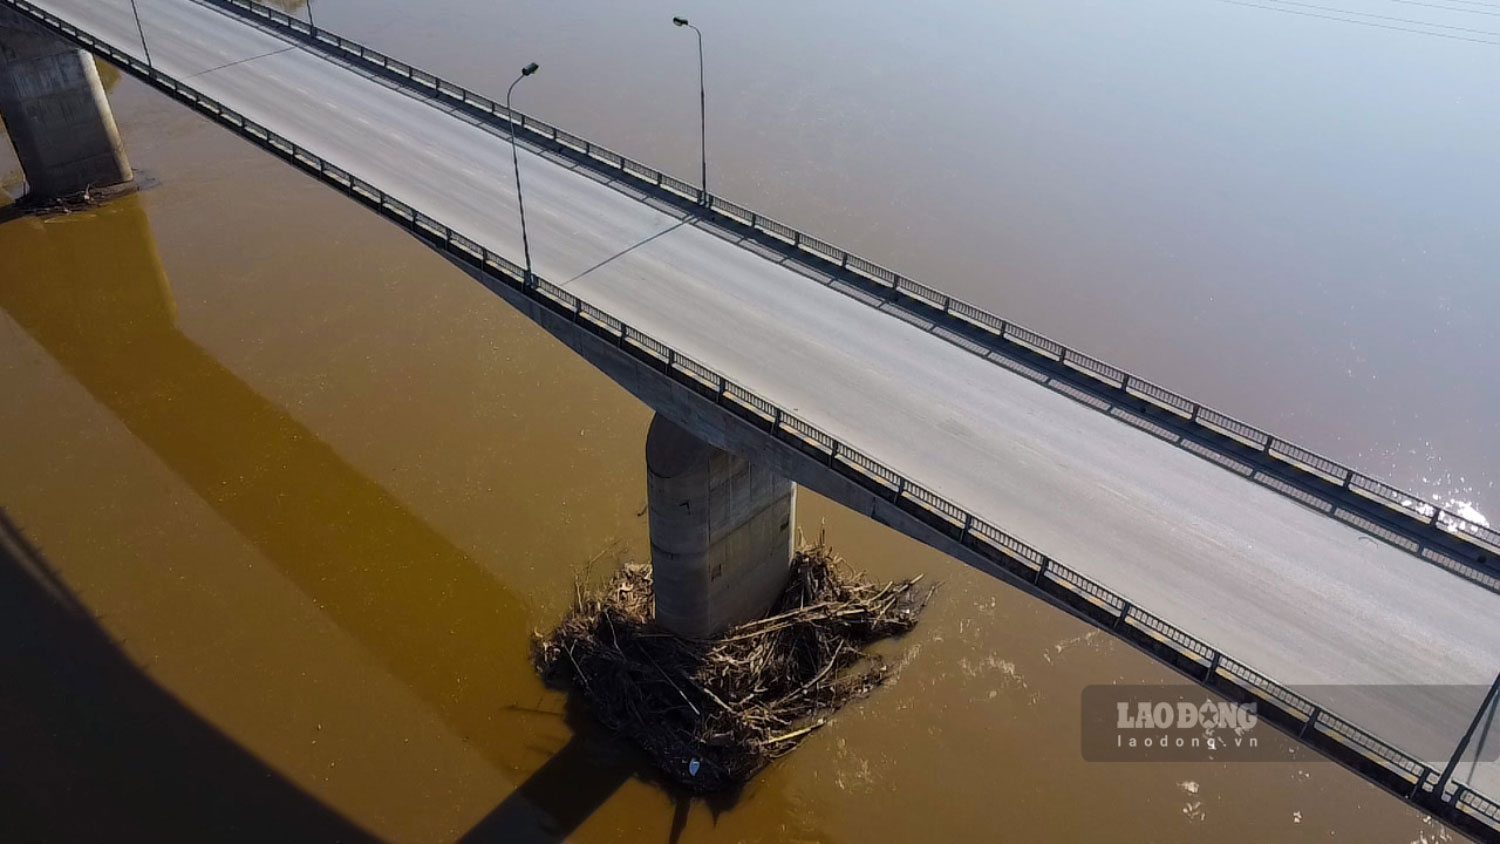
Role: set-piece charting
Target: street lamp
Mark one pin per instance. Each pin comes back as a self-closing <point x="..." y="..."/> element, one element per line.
<point x="1463" y="744"/>
<point x="516" y="161"/>
<point x="309" y="15"/>
<point x="702" y="107"/>
<point x="142" y="31"/>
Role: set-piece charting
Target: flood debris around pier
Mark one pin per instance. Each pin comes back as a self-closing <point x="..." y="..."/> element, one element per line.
<point x="711" y="713"/>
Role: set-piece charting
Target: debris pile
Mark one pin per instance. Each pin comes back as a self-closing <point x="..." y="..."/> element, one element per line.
<point x="711" y="713"/>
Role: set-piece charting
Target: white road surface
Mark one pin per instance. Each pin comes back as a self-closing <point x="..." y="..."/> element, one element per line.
<point x="1300" y="596"/>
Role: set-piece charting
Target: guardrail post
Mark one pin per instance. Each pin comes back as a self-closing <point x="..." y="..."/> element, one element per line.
<point x="1041" y="570"/>
<point x="968" y="522"/>
<point x="1312" y="719"/>
<point x="1417" y="786"/>
<point x="1458" y="793"/>
<point x="796" y="238"/>
<point x="776" y="422"/>
<point x="1213" y="668"/>
<point x="833" y="453"/>
<point x="844" y="261"/>
<point x="900" y="488"/>
<point x="1124" y="614"/>
<point x="723" y="387"/>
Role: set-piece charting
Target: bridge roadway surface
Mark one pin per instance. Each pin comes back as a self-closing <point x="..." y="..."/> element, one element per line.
<point x="1304" y="598"/>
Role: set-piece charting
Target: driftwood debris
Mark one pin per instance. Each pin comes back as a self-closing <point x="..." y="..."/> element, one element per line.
<point x="712" y="713"/>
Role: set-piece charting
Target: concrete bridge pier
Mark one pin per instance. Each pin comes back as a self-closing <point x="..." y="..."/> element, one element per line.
<point x="57" y="115"/>
<point x="721" y="532"/>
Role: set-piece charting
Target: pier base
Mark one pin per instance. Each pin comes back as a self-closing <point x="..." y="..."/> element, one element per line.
<point x="57" y="116"/>
<point x="721" y="533"/>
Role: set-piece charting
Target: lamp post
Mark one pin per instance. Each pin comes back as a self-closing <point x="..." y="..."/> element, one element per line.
<point x="516" y="162"/>
<point x="702" y="105"/>
<point x="1463" y="744"/>
<point x="309" y="15"/>
<point x="142" y="31"/>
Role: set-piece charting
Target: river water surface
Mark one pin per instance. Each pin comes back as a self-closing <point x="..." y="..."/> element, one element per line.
<point x="319" y="487"/>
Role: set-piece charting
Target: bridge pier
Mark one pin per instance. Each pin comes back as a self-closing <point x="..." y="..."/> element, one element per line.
<point x="721" y="532"/>
<point x="56" y="113"/>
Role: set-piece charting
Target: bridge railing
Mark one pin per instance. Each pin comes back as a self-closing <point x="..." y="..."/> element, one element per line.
<point x="1006" y="555"/>
<point x="1005" y="331"/>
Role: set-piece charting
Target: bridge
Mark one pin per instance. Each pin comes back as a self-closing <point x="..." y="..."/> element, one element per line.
<point x="1249" y="564"/>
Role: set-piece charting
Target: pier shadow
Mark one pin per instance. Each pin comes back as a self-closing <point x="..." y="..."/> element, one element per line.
<point x="564" y="792"/>
<point x="577" y="779"/>
<point x="95" y="750"/>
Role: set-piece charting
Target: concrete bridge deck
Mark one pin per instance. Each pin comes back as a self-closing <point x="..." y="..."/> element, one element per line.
<point x="1304" y="598"/>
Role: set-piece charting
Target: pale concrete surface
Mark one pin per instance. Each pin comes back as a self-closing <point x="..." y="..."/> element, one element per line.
<point x="57" y="116"/>
<point x="721" y="532"/>
<point x="1306" y="599"/>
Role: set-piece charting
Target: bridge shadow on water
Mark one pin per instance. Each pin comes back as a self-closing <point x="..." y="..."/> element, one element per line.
<point x="95" y="750"/>
<point x="93" y="295"/>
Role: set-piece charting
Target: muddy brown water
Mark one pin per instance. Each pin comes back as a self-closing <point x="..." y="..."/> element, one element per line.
<point x="318" y="487"/>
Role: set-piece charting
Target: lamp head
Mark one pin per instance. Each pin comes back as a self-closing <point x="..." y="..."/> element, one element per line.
<point x="680" y="21"/>
<point x="530" y="69"/>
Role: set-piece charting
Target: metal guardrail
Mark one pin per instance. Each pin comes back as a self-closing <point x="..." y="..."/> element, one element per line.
<point x="1007" y="554"/>
<point x="1479" y="805"/>
<point x="1401" y="502"/>
<point x="1361" y="740"/>
<point x="1251" y="678"/>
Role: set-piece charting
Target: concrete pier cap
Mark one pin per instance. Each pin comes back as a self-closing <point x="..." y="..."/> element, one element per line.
<point x="721" y="532"/>
<point x="56" y="114"/>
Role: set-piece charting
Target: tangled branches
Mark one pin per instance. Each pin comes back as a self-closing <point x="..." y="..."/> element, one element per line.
<point x="712" y="713"/>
